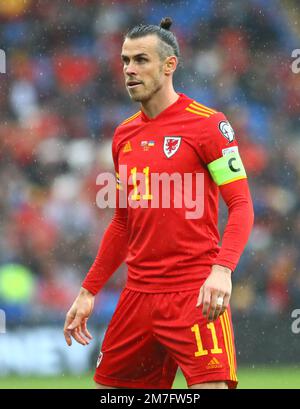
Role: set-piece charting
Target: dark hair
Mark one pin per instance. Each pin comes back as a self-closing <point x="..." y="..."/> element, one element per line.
<point x="168" y="42"/>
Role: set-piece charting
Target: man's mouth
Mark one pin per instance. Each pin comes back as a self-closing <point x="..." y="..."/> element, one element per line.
<point x="133" y="84"/>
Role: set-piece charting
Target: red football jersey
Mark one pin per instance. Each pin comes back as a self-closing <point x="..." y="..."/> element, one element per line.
<point x="168" y="242"/>
<point x="167" y="250"/>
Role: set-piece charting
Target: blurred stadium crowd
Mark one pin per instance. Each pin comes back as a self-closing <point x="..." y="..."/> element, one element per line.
<point x="60" y="100"/>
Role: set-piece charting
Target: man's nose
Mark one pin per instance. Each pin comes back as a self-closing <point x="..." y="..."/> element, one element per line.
<point x="130" y="69"/>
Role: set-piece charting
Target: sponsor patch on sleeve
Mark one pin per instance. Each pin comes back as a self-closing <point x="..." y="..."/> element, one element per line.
<point x="226" y="130"/>
<point x="227" y="151"/>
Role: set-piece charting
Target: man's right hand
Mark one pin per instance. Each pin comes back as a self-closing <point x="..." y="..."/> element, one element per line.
<point x="77" y="316"/>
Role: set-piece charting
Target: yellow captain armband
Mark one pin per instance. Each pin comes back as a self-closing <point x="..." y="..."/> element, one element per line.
<point x="227" y="169"/>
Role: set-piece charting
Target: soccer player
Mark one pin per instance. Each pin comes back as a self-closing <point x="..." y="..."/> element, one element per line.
<point x="174" y="310"/>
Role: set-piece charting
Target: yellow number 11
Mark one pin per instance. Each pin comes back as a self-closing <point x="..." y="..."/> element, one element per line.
<point x="136" y="195"/>
<point x="201" y="351"/>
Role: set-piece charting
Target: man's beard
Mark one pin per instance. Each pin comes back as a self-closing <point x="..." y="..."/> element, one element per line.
<point x="147" y="95"/>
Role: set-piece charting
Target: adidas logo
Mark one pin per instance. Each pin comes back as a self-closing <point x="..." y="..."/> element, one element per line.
<point x="214" y="363"/>
<point x="127" y="147"/>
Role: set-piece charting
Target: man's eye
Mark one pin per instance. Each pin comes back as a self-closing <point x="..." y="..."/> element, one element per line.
<point x="137" y="60"/>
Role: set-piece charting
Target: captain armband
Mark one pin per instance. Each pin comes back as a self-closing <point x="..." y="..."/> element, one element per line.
<point x="227" y="169"/>
<point x="118" y="182"/>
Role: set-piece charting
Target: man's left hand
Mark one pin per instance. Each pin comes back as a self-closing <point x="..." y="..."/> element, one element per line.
<point x="216" y="288"/>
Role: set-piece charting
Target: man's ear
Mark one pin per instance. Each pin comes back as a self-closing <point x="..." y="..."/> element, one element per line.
<point x="170" y="64"/>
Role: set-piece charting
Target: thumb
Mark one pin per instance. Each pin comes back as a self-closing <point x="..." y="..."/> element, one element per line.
<point x="200" y="297"/>
<point x="76" y="322"/>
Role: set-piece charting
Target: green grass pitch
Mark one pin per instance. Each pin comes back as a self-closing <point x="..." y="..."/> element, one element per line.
<point x="256" y="378"/>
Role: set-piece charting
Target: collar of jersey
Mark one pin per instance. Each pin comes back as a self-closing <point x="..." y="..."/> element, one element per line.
<point x="171" y="109"/>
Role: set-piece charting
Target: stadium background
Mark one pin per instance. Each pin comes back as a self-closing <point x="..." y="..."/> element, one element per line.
<point x="60" y="99"/>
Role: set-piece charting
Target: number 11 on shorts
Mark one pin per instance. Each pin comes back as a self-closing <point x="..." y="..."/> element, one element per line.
<point x="201" y="351"/>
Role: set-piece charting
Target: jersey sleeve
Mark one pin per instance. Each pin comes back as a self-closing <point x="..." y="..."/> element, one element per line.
<point x="218" y="148"/>
<point x="219" y="151"/>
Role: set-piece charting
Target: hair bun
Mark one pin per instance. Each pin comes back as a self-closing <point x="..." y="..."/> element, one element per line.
<point x="166" y="23"/>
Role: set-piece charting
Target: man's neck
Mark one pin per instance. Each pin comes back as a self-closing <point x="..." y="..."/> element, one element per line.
<point x="159" y="103"/>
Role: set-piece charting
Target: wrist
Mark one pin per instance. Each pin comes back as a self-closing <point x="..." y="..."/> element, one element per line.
<point x="83" y="291"/>
<point x="223" y="269"/>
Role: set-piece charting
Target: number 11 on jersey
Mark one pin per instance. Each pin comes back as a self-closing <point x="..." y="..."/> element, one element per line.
<point x="136" y="196"/>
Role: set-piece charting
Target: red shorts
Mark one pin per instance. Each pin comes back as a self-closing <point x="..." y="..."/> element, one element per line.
<point x="150" y="335"/>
